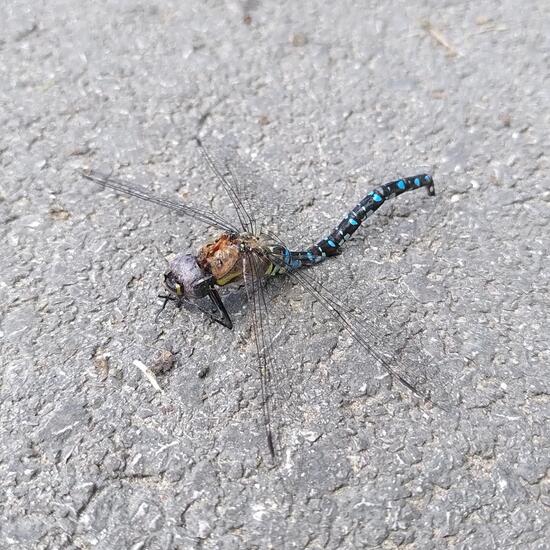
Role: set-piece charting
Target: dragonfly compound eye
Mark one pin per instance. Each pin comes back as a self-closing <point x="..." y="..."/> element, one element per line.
<point x="186" y="278"/>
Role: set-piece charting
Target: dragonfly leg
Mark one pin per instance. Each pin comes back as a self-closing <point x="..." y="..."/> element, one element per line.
<point x="167" y="299"/>
<point x="224" y="318"/>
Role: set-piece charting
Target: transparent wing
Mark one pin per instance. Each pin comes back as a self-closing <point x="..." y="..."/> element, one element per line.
<point x="252" y="270"/>
<point x="408" y="364"/>
<point x="260" y="190"/>
<point x="417" y="371"/>
<point x="281" y="404"/>
<point x="223" y="169"/>
<point x="124" y="188"/>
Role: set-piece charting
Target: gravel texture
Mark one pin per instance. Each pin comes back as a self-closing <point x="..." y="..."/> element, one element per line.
<point x="323" y="100"/>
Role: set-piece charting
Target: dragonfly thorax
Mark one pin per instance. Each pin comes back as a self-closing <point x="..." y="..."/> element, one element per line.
<point x="218" y="262"/>
<point x="223" y="257"/>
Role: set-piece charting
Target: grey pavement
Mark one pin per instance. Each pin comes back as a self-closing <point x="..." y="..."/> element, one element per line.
<point x="322" y="100"/>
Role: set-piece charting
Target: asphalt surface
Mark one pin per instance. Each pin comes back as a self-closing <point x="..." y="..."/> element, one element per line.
<point x="323" y="101"/>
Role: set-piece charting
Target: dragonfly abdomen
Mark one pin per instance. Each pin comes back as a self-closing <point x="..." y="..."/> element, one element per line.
<point x="330" y="246"/>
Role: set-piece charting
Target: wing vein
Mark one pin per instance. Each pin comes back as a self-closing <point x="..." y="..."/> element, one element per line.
<point x="206" y="216"/>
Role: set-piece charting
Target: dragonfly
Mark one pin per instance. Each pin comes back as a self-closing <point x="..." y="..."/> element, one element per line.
<point x="243" y="252"/>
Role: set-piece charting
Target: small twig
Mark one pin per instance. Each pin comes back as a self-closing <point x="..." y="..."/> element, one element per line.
<point x="438" y="37"/>
<point x="149" y="375"/>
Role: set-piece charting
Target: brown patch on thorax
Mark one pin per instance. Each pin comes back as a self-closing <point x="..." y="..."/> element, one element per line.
<point x="221" y="258"/>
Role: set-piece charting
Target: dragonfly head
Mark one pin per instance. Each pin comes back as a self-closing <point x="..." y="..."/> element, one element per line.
<point x="185" y="278"/>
